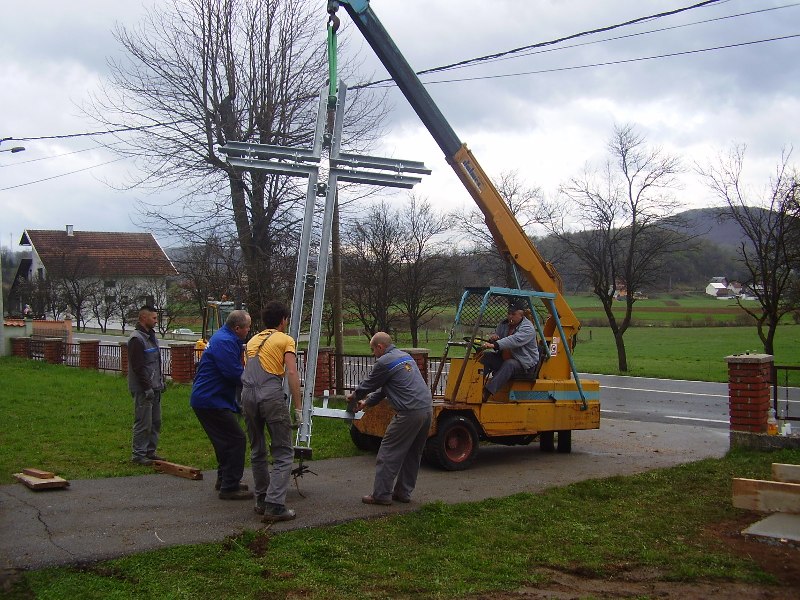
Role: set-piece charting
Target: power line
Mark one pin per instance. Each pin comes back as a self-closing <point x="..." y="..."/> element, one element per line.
<point x="62" y="174"/>
<point x="92" y="133"/>
<point x="648" y="32"/>
<point x="24" y="162"/>
<point x="605" y="64"/>
<point x="497" y="55"/>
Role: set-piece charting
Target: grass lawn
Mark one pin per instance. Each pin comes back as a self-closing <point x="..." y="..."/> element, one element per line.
<point x="658" y="521"/>
<point x="78" y="424"/>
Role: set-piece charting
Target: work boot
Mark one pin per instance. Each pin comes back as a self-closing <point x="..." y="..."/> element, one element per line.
<point x="242" y="486"/>
<point x="142" y="460"/>
<point x="372" y="500"/>
<point x="398" y="498"/>
<point x="154" y="457"/>
<point x="261" y="505"/>
<point x="235" y="495"/>
<point x="277" y="512"/>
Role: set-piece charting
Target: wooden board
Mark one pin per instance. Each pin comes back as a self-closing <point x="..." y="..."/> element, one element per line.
<point x="35" y="483"/>
<point x="766" y="496"/>
<point x="163" y="466"/>
<point x="786" y="473"/>
<point x="38" y="473"/>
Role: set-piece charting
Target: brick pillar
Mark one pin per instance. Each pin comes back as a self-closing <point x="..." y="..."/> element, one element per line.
<point x="21" y="347"/>
<point x="749" y="391"/>
<point x="420" y="356"/>
<point x="182" y="362"/>
<point x="123" y="358"/>
<point x="324" y="379"/>
<point x="53" y="350"/>
<point x="89" y="354"/>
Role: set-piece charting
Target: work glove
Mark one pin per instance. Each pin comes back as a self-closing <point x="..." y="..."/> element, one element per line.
<point x="149" y="394"/>
<point x="298" y="416"/>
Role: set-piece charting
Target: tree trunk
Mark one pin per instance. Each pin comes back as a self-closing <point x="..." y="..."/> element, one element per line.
<point x="622" y="357"/>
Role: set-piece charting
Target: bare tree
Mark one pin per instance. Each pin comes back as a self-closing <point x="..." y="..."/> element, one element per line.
<point x="424" y="280"/>
<point x="628" y="224"/>
<point x="370" y="266"/>
<point x="526" y="204"/>
<point x="215" y="71"/>
<point x="771" y="226"/>
<point x="103" y="304"/>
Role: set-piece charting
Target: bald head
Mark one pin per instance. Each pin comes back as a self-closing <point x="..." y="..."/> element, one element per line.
<point x="379" y="343"/>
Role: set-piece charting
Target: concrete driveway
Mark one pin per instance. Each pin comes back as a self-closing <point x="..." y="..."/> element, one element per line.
<point x="107" y="518"/>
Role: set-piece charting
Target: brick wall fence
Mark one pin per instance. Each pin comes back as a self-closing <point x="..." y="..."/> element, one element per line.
<point x="182" y="358"/>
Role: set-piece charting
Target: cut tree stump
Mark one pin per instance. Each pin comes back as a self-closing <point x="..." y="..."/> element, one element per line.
<point x="163" y="466"/>
<point x="41" y="483"/>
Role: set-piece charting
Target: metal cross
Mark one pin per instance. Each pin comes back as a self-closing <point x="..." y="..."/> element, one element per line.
<point x="298" y="162"/>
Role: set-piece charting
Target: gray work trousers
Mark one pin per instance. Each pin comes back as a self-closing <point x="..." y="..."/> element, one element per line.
<point x="146" y="424"/>
<point x="266" y="406"/>
<point x="397" y="465"/>
<point x="502" y="370"/>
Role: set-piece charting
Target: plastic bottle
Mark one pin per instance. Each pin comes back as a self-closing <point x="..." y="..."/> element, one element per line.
<point x="787" y="429"/>
<point x="772" y="423"/>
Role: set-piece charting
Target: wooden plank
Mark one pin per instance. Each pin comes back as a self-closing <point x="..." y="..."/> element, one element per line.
<point x="766" y="496"/>
<point x="786" y="473"/>
<point x="163" y="466"/>
<point x="41" y="484"/>
<point x="38" y="473"/>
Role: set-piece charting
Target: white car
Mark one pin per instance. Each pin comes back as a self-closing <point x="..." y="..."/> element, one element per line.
<point x="183" y="331"/>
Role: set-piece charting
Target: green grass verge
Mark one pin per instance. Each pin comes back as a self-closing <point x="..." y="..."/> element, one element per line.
<point x="78" y="424"/>
<point x="656" y="520"/>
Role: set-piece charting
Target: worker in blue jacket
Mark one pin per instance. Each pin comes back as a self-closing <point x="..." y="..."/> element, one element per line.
<point x="214" y="401"/>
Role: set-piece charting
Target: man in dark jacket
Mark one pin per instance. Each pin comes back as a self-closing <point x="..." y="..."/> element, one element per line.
<point x="145" y="383"/>
<point x="395" y="376"/>
<point x="214" y="402"/>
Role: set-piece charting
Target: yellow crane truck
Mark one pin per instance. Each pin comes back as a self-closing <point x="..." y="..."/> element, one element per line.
<point x="548" y="405"/>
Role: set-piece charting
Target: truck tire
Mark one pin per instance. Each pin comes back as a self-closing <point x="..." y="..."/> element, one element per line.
<point x="564" y="442"/>
<point x="455" y="445"/>
<point x="546" y="441"/>
<point x="364" y="441"/>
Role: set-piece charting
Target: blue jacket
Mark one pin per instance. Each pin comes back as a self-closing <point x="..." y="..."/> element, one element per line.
<point x="219" y="372"/>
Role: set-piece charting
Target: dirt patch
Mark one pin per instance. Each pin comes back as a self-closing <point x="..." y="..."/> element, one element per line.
<point x="782" y="561"/>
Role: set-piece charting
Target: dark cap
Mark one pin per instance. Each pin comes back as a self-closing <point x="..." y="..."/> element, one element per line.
<point x="516" y="305"/>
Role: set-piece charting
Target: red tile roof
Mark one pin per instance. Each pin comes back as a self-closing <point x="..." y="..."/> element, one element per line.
<point x="99" y="253"/>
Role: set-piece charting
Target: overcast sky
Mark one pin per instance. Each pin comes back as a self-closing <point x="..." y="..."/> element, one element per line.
<point x="550" y="116"/>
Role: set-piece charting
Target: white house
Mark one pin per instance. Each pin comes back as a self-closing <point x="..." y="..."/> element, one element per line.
<point x="718" y="290"/>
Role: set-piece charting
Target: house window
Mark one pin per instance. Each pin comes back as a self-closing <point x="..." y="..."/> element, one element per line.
<point x="40" y="273"/>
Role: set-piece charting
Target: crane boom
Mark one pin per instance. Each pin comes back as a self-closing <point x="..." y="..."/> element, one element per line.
<point x="511" y="240"/>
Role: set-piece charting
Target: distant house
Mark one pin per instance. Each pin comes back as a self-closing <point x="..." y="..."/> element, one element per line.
<point x="722" y="280"/>
<point x="92" y="272"/>
<point x="717" y="289"/>
<point x="735" y="288"/>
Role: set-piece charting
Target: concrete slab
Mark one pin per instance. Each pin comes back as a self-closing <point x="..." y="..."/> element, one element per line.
<point x="777" y="526"/>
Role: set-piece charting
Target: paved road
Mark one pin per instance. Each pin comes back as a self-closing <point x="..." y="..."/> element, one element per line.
<point x="663" y="400"/>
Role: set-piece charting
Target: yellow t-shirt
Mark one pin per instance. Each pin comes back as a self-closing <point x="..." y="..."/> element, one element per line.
<point x="271" y="354"/>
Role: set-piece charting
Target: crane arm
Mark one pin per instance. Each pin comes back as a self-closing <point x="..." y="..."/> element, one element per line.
<point x="511" y="240"/>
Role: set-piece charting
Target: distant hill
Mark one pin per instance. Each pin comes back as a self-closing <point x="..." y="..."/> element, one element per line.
<point x="708" y="224"/>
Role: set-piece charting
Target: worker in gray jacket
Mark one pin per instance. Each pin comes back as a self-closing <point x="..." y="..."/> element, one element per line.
<point x="396" y="376"/>
<point x="515" y="349"/>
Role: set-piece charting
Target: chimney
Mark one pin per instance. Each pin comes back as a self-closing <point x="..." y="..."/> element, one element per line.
<point x="70" y="231"/>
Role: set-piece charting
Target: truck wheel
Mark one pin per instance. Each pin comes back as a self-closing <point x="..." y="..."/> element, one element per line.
<point x="364" y="441"/>
<point x="546" y="439"/>
<point x="455" y="445"/>
<point x="565" y="442"/>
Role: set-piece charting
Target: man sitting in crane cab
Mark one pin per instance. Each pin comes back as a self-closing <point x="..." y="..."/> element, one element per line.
<point x="515" y="349"/>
